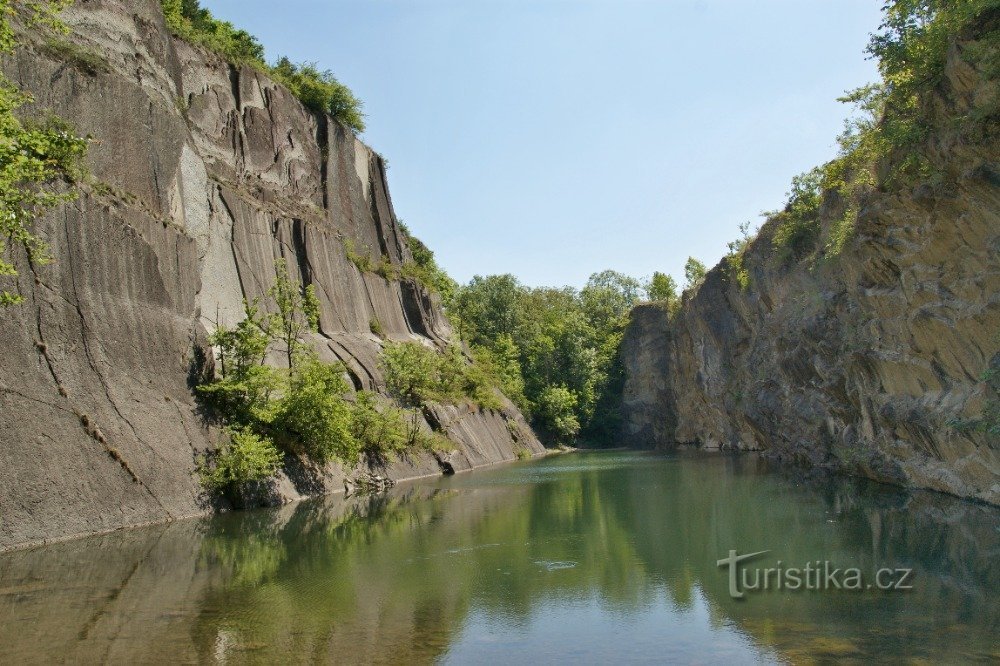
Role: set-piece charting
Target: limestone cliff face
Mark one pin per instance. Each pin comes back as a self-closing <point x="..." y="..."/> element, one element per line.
<point x="205" y="174"/>
<point x="867" y="362"/>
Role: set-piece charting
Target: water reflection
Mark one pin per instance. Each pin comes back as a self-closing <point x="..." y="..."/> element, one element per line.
<point x="588" y="557"/>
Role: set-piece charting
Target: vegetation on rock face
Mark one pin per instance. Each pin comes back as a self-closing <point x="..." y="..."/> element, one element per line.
<point x="417" y="375"/>
<point x="319" y="90"/>
<point x="39" y="162"/>
<point x="883" y="146"/>
<point x="304" y="409"/>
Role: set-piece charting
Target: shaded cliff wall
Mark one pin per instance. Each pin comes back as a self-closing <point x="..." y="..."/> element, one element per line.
<point x="867" y="362"/>
<point x="204" y="174"/>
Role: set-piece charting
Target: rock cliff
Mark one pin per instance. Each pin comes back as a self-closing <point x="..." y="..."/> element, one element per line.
<point x="871" y="362"/>
<point x="204" y="174"/>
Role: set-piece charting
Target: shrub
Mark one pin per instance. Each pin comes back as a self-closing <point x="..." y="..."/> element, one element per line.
<point x="187" y="19"/>
<point x="425" y="270"/>
<point x="416" y="375"/>
<point x="736" y="267"/>
<point x="246" y="457"/>
<point x="318" y="89"/>
<point x="385" y="432"/>
<point x="363" y="261"/>
<point x="313" y="417"/>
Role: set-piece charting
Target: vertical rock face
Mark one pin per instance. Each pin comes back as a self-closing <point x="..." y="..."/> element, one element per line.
<point x="205" y="174"/>
<point x="871" y="362"/>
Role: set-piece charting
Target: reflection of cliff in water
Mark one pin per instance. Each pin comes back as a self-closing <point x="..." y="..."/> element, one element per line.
<point x="396" y="577"/>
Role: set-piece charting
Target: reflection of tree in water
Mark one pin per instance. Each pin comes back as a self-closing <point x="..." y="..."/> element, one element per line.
<point x="388" y="573"/>
<point x="397" y="576"/>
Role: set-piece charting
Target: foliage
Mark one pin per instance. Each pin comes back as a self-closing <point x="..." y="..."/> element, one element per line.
<point x="798" y="223"/>
<point x="882" y="146"/>
<point x="363" y="261"/>
<point x="425" y="269"/>
<point x="662" y="288"/>
<point x="556" y="412"/>
<point x="694" y="273"/>
<point x="35" y="158"/>
<point x="297" y="312"/>
<point x="304" y="409"/>
<point x="246" y="457"/>
<point x="313" y="417"/>
<point x="318" y="89"/>
<point x="735" y="265"/>
<point x="86" y="61"/>
<point x="416" y="374"/>
<point x="532" y="340"/>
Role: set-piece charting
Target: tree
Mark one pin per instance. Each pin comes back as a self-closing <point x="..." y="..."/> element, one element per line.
<point x="488" y="307"/>
<point x="694" y="273"/>
<point x="298" y="312"/>
<point x="662" y="288"/>
<point x="556" y="412"/>
<point x="607" y="297"/>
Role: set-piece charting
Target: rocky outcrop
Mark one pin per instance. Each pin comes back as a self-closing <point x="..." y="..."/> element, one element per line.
<point x="871" y="361"/>
<point x="204" y="174"/>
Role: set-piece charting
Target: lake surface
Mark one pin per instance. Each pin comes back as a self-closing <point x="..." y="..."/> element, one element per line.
<point x="580" y="558"/>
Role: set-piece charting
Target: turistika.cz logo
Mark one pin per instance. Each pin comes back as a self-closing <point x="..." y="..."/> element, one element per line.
<point x="815" y="575"/>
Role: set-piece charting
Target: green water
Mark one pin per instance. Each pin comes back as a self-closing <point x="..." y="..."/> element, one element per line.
<point x="582" y="558"/>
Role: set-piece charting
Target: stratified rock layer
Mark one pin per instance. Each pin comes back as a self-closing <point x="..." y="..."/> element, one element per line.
<point x="204" y="174"/>
<point x="872" y="361"/>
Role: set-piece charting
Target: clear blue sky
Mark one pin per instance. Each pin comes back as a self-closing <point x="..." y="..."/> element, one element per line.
<point x="555" y="138"/>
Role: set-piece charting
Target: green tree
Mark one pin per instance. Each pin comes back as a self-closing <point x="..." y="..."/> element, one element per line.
<point x="37" y="161"/>
<point x="694" y="273"/>
<point x="488" y="307"/>
<point x="662" y="288"/>
<point x="556" y="413"/>
<point x="297" y="312"/>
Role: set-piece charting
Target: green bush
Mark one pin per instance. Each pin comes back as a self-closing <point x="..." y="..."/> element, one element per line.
<point x="246" y="457"/>
<point x="736" y="267"/>
<point x="319" y="90"/>
<point x="424" y="269"/>
<point x="416" y="375"/>
<point x="313" y="417"/>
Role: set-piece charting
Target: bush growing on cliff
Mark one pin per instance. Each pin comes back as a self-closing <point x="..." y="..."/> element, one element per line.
<point x="425" y="269"/>
<point x="245" y="458"/>
<point x="303" y="409"/>
<point x="318" y="89"/>
<point x="40" y="163"/>
<point x="312" y="417"/>
<point x="416" y="375"/>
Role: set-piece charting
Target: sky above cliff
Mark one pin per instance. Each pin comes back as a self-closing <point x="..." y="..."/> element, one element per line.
<point x="555" y="138"/>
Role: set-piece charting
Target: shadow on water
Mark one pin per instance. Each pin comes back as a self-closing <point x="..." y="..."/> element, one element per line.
<point x="581" y="557"/>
